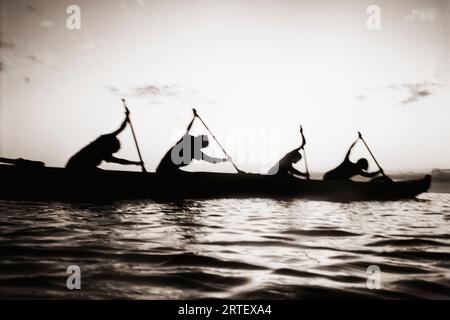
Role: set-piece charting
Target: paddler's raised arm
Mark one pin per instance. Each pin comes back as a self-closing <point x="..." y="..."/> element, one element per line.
<point x="303" y="138"/>
<point x="121" y="161"/>
<point x="347" y="156"/>
<point x="123" y="125"/>
<point x="304" y="141"/>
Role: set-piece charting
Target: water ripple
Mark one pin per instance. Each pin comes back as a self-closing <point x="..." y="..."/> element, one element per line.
<point x="226" y="248"/>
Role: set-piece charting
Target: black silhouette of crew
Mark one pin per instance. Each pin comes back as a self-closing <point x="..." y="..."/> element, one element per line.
<point x="101" y="149"/>
<point x="285" y="165"/>
<point x="185" y="151"/>
<point x="347" y="169"/>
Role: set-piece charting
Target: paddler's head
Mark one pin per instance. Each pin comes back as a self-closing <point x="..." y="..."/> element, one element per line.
<point x="363" y="164"/>
<point x="110" y="144"/>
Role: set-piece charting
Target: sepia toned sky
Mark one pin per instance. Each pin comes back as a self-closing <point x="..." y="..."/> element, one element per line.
<point x="251" y="68"/>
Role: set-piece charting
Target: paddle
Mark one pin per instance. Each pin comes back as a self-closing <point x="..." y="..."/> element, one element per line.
<point x="379" y="167"/>
<point x="134" y="136"/>
<point x="22" y="162"/>
<point x="304" y="153"/>
<point x="196" y="115"/>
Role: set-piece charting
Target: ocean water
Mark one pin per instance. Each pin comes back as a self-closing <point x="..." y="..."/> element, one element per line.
<point x="226" y="248"/>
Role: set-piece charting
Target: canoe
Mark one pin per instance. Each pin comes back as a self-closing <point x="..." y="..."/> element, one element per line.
<point x="35" y="182"/>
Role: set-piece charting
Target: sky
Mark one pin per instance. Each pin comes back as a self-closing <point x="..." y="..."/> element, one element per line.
<point x="254" y="70"/>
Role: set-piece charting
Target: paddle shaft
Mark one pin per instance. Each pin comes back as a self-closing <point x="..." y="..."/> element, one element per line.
<point x="306" y="162"/>
<point x="134" y="136"/>
<point x="379" y="167"/>
<point x="196" y="114"/>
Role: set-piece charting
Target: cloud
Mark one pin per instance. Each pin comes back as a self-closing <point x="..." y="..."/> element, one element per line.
<point x="151" y="90"/>
<point x="35" y="59"/>
<point x="403" y="93"/>
<point x="6" y="45"/>
<point x="147" y="90"/>
<point x="417" y="91"/>
<point x="113" y="89"/>
<point x="44" y="57"/>
<point x="2" y="66"/>
<point x="47" y="23"/>
<point x="32" y="9"/>
<point x="155" y="90"/>
<point x="423" y="14"/>
<point x="91" y="44"/>
<point x="24" y="53"/>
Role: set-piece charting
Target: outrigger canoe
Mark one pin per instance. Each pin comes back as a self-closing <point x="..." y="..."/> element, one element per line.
<point x="36" y="182"/>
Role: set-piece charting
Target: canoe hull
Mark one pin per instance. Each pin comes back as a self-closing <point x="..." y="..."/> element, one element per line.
<point x="57" y="183"/>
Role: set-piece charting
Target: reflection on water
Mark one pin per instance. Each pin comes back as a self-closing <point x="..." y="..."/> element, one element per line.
<point x="227" y="248"/>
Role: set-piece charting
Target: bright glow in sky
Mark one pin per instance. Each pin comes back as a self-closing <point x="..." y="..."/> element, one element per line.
<point x="247" y="66"/>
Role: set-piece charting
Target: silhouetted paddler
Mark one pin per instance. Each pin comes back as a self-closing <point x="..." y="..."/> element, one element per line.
<point x="285" y="165"/>
<point x="101" y="149"/>
<point x="348" y="169"/>
<point x="185" y="151"/>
